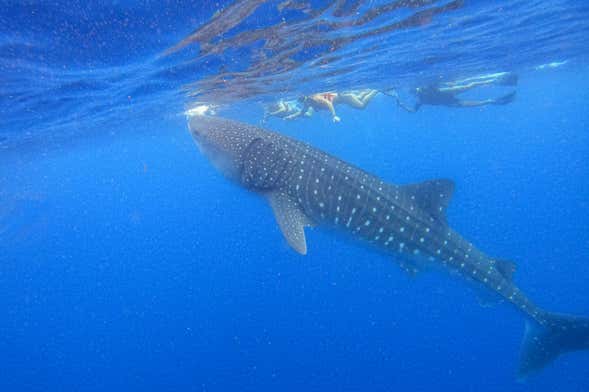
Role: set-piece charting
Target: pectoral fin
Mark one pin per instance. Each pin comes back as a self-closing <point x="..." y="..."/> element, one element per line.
<point x="487" y="298"/>
<point x="410" y="268"/>
<point x="291" y="220"/>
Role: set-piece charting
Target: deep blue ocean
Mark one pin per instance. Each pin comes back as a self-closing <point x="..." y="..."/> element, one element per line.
<point x="128" y="263"/>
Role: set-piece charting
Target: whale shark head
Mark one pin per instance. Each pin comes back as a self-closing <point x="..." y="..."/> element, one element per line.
<point x="223" y="142"/>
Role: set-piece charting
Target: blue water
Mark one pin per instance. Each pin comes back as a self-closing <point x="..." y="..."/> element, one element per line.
<point x="128" y="263"/>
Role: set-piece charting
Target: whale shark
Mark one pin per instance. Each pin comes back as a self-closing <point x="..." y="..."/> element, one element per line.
<point x="308" y="187"/>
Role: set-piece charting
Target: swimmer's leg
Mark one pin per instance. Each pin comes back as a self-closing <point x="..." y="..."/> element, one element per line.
<point x="368" y="95"/>
<point x="362" y="93"/>
<point x="504" y="100"/>
<point x="351" y="100"/>
<point x="472" y="104"/>
<point x="358" y="101"/>
<point x="501" y="79"/>
<point x="460" y="88"/>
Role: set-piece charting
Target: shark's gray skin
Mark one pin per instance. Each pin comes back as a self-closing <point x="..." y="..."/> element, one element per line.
<point x="307" y="187"/>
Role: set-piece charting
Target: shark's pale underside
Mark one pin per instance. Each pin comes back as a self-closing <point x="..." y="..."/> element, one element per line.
<point x="307" y="187"/>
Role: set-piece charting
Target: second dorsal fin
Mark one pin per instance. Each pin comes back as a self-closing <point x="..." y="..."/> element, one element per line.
<point x="431" y="196"/>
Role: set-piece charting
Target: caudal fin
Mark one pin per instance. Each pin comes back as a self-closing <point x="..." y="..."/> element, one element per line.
<point x="543" y="343"/>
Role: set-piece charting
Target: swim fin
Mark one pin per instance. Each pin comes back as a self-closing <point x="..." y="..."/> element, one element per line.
<point x="504" y="100"/>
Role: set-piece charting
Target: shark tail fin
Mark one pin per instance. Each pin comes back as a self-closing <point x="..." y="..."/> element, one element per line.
<point x="559" y="333"/>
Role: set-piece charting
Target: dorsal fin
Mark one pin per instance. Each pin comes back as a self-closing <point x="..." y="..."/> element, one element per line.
<point x="431" y="196"/>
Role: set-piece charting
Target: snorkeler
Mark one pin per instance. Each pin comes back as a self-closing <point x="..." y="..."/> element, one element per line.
<point x="201" y="109"/>
<point x="326" y="101"/>
<point x="446" y="94"/>
<point x="286" y="109"/>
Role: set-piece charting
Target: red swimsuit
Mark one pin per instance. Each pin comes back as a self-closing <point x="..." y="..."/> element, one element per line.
<point x="329" y="96"/>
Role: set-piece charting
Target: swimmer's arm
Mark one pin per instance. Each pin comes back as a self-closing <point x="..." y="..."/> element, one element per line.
<point x="331" y="108"/>
<point x="327" y="104"/>
<point x="281" y="109"/>
<point x="294" y="115"/>
<point x="298" y="113"/>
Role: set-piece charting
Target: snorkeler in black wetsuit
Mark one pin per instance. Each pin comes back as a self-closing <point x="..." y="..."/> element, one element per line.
<point x="447" y="94"/>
